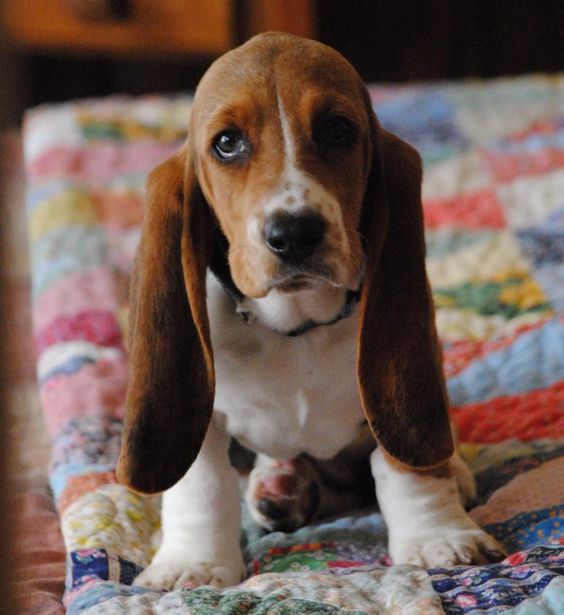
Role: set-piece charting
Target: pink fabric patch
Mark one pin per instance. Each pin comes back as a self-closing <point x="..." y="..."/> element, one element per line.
<point x="480" y="210"/>
<point x="77" y="293"/>
<point x="96" y="389"/>
<point x="100" y="161"/>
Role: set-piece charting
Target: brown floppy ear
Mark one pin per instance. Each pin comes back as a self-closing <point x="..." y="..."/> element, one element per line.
<point x="171" y="385"/>
<point x="399" y="360"/>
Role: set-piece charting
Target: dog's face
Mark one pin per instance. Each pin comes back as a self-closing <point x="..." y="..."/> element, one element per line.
<point x="281" y="143"/>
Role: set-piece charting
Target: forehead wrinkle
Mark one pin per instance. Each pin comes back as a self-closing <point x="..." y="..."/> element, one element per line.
<point x="247" y="116"/>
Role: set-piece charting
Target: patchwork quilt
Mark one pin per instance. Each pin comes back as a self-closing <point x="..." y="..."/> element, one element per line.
<point x="494" y="210"/>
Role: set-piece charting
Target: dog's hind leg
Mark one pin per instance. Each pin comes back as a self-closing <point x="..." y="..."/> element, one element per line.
<point x="286" y="495"/>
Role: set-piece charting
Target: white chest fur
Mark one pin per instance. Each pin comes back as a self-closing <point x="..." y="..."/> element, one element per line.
<point x="282" y="396"/>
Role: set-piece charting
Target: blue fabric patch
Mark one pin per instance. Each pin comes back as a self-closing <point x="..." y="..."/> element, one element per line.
<point x="480" y="589"/>
<point x="534" y="361"/>
<point x="529" y="529"/>
<point x="48" y="190"/>
<point x="72" y="366"/>
<point x="58" y="479"/>
<point x="91" y="564"/>
<point x="542" y="247"/>
<point x="63" y="251"/>
<point x="551" y="280"/>
<point x="426" y="120"/>
<point x="95" y="576"/>
<point x="89" y="440"/>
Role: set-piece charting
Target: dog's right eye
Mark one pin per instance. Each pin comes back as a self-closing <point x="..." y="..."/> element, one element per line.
<point x="335" y="132"/>
<point x="231" y="145"/>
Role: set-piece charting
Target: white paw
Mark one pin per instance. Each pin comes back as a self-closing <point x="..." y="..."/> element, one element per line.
<point x="178" y="573"/>
<point x="445" y="547"/>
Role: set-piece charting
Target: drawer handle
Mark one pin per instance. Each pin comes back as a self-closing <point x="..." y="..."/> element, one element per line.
<point x="100" y="10"/>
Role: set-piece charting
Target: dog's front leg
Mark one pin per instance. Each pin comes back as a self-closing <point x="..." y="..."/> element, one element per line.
<point x="427" y="523"/>
<point x="201" y="524"/>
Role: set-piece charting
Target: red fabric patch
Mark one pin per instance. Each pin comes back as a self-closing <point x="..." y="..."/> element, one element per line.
<point x="344" y="564"/>
<point x="119" y="211"/>
<point x="479" y="210"/>
<point x="79" y="485"/>
<point x="526" y="416"/>
<point x="97" y="389"/>
<point x="98" y="327"/>
<point x="507" y="167"/>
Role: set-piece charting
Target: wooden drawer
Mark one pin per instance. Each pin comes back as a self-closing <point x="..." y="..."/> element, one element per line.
<point x="152" y="26"/>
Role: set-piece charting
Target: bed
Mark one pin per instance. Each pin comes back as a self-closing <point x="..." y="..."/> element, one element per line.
<point x="494" y="211"/>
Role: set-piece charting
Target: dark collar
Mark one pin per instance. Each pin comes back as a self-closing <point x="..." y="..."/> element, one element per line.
<point x="219" y="266"/>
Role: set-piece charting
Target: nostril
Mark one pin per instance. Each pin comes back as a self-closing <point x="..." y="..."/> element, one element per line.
<point x="276" y="242"/>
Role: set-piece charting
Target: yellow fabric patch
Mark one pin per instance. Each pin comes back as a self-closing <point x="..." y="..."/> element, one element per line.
<point x="478" y="263"/>
<point x="113" y="517"/>
<point x="68" y="208"/>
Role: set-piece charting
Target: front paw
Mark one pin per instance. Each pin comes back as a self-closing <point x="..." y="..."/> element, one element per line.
<point x="178" y="573"/>
<point x="445" y="547"/>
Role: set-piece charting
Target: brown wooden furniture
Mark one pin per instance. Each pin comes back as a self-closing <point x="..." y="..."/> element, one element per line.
<point x="149" y="27"/>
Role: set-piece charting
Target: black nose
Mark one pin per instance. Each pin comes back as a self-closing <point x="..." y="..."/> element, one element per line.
<point x="294" y="237"/>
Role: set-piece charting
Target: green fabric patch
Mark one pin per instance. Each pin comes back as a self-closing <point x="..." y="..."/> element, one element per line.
<point x="208" y="601"/>
<point x="509" y="298"/>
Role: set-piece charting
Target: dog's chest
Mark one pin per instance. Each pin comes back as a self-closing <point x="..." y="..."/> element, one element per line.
<point x="283" y="396"/>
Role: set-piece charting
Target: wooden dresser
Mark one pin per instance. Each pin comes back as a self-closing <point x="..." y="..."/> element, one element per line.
<point x="149" y="27"/>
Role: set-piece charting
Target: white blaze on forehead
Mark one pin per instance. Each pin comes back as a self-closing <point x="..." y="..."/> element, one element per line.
<point x="289" y="145"/>
<point x="296" y="191"/>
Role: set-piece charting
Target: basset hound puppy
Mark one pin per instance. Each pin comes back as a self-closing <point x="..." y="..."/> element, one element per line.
<point x="279" y="297"/>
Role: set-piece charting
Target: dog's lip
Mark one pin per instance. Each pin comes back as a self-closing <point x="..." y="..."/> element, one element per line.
<point x="295" y="283"/>
<point x="306" y="275"/>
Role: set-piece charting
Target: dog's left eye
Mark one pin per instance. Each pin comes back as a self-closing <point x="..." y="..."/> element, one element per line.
<point x="231" y="145"/>
<point x="335" y="131"/>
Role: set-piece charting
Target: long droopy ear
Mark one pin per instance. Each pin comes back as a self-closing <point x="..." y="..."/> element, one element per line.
<point x="171" y="385"/>
<point x="399" y="361"/>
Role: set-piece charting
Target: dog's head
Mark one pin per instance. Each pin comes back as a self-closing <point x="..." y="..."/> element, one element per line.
<point x="286" y="162"/>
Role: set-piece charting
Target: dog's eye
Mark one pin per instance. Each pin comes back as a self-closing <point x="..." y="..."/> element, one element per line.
<point x="231" y="145"/>
<point x="335" y="131"/>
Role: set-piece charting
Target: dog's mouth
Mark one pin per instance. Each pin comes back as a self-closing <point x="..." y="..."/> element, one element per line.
<point x="294" y="279"/>
<point x="297" y="283"/>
